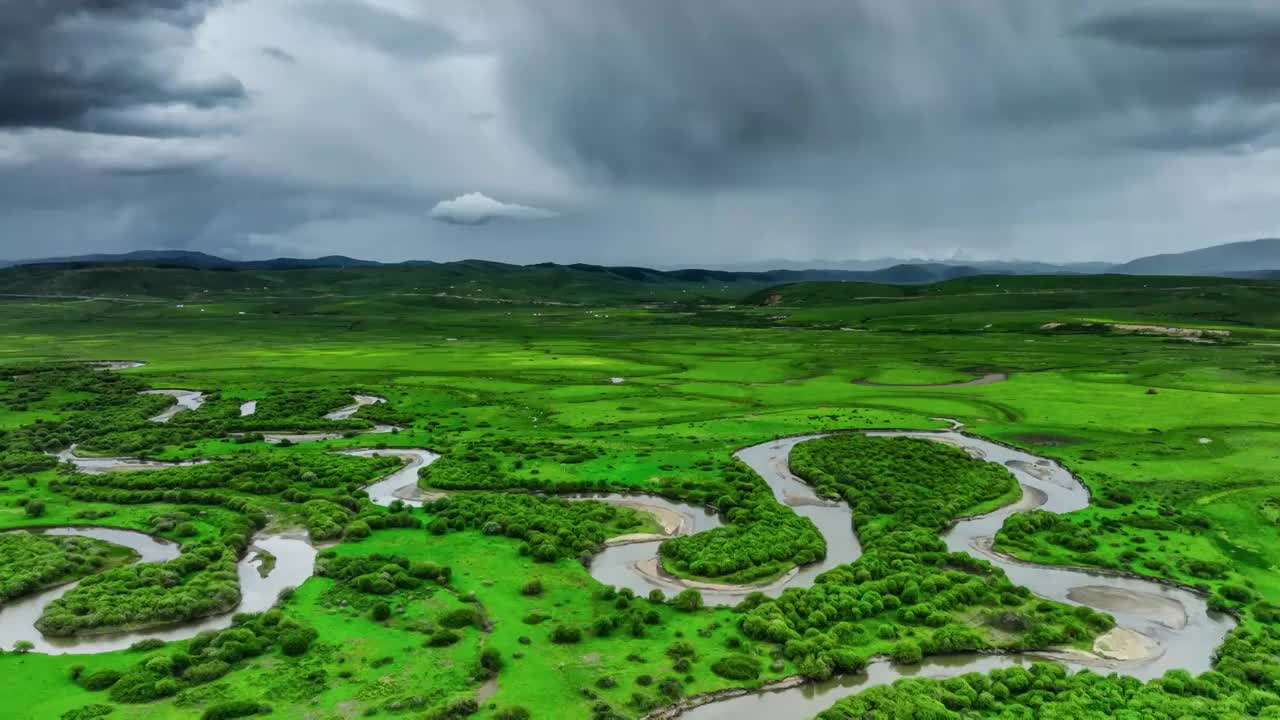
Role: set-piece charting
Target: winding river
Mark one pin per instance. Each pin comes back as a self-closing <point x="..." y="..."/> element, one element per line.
<point x="345" y="412"/>
<point x="636" y="565"/>
<point x="294" y="560"/>
<point x="99" y="464"/>
<point x="1159" y="627"/>
<point x="1163" y="627"/>
<point x="184" y="400"/>
<point x="399" y="484"/>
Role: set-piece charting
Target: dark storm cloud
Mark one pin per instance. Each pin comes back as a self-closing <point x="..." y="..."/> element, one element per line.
<point x="1207" y="27"/>
<point x="90" y="64"/>
<point x="684" y="91"/>
<point x="1207" y="75"/>
<point x="661" y="131"/>
<point x="204" y="210"/>
<point x="1201" y="51"/>
<point x="673" y="92"/>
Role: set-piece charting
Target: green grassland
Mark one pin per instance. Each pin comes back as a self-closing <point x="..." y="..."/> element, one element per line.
<point x="519" y="394"/>
<point x="1025" y="303"/>
<point x="468" y="281"/>
<point x="31" y="562"/>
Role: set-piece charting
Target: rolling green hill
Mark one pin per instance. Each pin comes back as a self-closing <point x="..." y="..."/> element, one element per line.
<point x="479" y="280"/>
<point x="1019" y="302"/>
<point x="472" y="279"/>
<point x="966" y="303"/>
<point x="187" y="276"/>
<point x="829" y="293"/>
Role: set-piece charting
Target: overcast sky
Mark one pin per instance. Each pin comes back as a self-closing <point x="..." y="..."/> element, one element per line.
<point x="626" y="131"/>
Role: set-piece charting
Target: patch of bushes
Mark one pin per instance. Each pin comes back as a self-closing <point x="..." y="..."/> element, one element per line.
<point x="207" y="657"/>
<point x="737" y="667"/>
<point x="551" y="527"/>
<point x="235" y="709"/>
<point x="565" y="635"/>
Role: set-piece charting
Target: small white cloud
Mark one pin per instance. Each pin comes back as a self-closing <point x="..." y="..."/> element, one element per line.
<point x="477" y="209"/>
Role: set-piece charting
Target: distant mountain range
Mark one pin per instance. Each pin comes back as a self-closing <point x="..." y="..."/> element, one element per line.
<point x="904" y="273"/>
<point x="1258" y="259"/>
<point x="992" y="267"/>
<point x="1234" y="259"/>
<point x="1250" y="258"/>
<point x="199" y="261"/>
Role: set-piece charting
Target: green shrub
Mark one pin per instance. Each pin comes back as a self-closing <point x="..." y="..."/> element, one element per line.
<point x="138" y="686"/>
<point x="441" y="638"/>
<point x="687" y="600"/>
<point x="88" y="712"/>
<point x="102" y="679"/>
<point x="207" y="671"/>
<point x="297" y="641"/>
<point x="234" y="709"/>
<point x="459" y="618"/>
<point x="1236" y="593"/>
<point x="160" y="665"/>
<point x="491" y="660"/>
<point x="566" y="634"/>
<point x="460" y="708"/>
<point x="907" y="652"/>
<point x="147" y="645"/>
<point x="737" y="667"/>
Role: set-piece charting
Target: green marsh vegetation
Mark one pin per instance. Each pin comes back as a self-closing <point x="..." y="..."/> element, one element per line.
<point x="903" y="491"/>
<point x="761" y="539"/>
<point x="1046" y="690"/>
<point x="162" y="673"/>
<point x="31" y="561"/>
<point x="200" y="582"/>
<point x="519" y="400"/>
<point x="551" y="528"/>
<point x="907" y="596"/>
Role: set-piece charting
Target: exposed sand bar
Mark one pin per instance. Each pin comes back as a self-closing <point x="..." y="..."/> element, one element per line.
<point x="98" y="465"/>
<point x="186" y="400"/>
<point x="346" y="411"/>
<point x="1164" y="610"/>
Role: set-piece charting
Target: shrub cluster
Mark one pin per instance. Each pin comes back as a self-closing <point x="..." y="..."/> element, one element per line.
<point x="903" y="491"/>
<point x="761" y="537"/>
<point x="29" y="561"/>
<point x="207" y="657"/>
<point x="551" y="527"/>
<point x="379" y="574"/>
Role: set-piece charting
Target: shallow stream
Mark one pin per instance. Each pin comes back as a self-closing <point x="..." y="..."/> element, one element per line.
<point x="1160" y="627"/>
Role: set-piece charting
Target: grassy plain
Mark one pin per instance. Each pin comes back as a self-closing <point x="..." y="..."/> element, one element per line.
<point x="698" y="382"/>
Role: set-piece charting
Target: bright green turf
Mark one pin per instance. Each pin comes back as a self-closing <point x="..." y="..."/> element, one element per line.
<point x="697" y="387"/>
